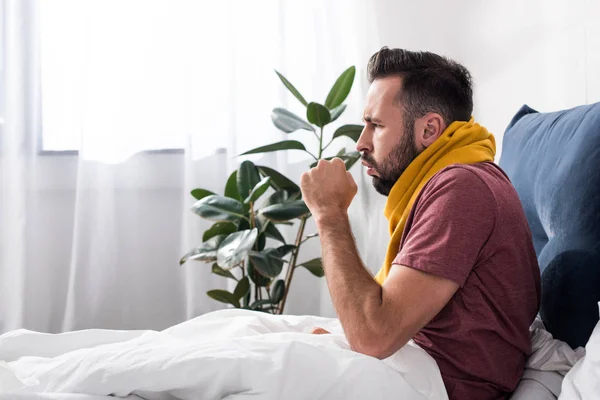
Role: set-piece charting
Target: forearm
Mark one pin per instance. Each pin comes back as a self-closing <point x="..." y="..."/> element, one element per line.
<point x="356" y="297"/>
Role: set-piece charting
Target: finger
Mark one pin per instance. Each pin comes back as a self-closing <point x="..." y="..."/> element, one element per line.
<point x="304" y="178"/>
<point x="338" y="162"/>
<point x="319" y="331"/>
<point x="351" y="179"/>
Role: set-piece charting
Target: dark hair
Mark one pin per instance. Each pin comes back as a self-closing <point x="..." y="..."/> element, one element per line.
<point x="430" y="83"/>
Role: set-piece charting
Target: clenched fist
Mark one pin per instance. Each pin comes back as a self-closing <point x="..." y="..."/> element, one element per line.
<point x="328" y="188"/>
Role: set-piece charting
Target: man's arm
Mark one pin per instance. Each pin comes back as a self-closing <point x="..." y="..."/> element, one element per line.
<point x="377" y="320"/>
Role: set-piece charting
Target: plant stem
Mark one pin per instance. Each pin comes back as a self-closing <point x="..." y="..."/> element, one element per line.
<point x="292" y="265"/>
<point x="321" y="143"/>
<point x="252" y="221"/>
<point x="312" y="155"/>
<point x="306" y="239"/>
<point x="273" y="307"/>
<point x="315" y="133"/>
<point x="327" y="145"/>
<point x="252" y="226"/>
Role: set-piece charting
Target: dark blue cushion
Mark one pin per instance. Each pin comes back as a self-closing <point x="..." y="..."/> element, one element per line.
<point x="553" y="160"/>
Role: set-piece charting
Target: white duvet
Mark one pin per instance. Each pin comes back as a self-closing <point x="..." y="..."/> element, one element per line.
<point x="229" y="354"/>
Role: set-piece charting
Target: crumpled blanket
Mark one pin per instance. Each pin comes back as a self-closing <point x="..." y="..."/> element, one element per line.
<point x="228" y="354"/>
<point x="549" y="362"/>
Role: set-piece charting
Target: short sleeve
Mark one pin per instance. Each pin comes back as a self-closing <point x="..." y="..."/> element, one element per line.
<point x="451" y="221"/>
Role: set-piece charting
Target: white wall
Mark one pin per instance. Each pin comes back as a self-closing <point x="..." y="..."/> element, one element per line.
<point x="544" y="53"/>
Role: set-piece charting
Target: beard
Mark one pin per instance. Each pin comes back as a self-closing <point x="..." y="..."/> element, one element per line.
<point x="390" y="169"/>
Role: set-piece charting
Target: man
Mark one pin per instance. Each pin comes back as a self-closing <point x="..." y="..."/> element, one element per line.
<point x="460" y="276"/>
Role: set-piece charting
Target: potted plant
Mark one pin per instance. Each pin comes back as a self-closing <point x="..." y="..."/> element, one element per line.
<point x="244" y="243"/>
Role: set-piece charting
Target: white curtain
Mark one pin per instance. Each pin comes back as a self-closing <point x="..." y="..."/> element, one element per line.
<point x="93" y="239"/>
<point x="158" y="97"/>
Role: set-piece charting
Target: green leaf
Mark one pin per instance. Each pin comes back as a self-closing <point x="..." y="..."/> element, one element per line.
<point x="278" y="180"/>
<point x="246" y="301"/>
<point x="222" y="272"/>
<point x="258" y="190"/>
<point x="261" y="242"/>
<point x="280" y="196"/>
<point x="234" y="249"/>
<point x="341" y="88"/>
<point x="318" y="114"/>
<point x="242" y="288"/>
<point x="272" y="232"/>
<point x="255" y="305"/>
<point x="277" y="291"/>
<point x="315" y="266"/>
<point x="285" y="211"/>
<point x="336" y="112"/>
<point x="285" y="249"/>
<point x="351" y="131"/>
<point x="206" y="252"/>
<point x="261" y="223"/>
<point x="341" y="152"/>
<point x="291" y="88"/>
<point x="201" y="193"/>
<point x="220" y="228"/>
<point x="283" y="145"/>
<point x="257" y="278"/>
<point x="224" y="297"/>
<point x="349" y="159"/>
<point x="289" y="122"/>
<point x="247" y="178"/>
<point x="231" y="189"/>
<point x="219" y="208"/>
<point x="268" y="263"/>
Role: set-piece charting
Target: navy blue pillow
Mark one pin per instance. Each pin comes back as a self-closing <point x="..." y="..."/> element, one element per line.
<point x="553" y="160"/>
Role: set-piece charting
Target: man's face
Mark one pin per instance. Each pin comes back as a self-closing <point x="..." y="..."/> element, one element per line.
<point x="388" y="139"/>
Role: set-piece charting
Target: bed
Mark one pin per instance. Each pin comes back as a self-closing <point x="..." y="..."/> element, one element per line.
<point x="235" y="354"/>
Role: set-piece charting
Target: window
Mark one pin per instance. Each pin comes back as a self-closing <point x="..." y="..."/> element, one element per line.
<point x="102" y="77"/>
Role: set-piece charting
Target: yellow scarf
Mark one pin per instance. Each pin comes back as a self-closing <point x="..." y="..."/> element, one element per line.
<point x="462" y="142"/>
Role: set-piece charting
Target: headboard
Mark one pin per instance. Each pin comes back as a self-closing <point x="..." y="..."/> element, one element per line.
<point x="553" y="160"/>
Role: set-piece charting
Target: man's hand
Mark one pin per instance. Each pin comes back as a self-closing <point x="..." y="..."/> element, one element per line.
<point x="328" y="189"/>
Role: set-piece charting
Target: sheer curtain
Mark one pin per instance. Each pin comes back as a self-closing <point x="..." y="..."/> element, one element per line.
<point x="158" y="97"/>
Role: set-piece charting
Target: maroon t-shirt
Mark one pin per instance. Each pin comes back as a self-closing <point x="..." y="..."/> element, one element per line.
<point x="468" y="225"/>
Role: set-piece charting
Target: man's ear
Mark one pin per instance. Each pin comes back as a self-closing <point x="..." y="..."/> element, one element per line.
<point x="428" y="128"/>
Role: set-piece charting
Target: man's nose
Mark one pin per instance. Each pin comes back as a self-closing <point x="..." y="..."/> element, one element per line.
<point x="364" y="143"/>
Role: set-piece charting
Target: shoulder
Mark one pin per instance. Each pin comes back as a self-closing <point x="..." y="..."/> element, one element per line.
<point x="460" y="187"/>
<point x="461" y="178"/>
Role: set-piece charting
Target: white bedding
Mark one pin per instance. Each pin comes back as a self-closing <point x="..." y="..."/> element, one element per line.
<point x="583" y="380"/>
<point x="229" y="354"/>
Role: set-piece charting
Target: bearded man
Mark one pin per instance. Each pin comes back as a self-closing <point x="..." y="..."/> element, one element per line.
<point x="460" y="275"/>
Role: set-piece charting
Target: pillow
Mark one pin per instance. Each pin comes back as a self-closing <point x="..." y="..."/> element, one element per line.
<point x="553" y="160"/>
<point x="583" y="380"/>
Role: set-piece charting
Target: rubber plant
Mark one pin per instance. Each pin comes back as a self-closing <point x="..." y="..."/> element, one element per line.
<point x="245" y="243"/>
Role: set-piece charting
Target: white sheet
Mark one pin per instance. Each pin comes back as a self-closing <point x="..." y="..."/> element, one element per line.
<point x="549" y="361"/>
<point x="229" y="354"/>
<point x="583" y="380"/>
